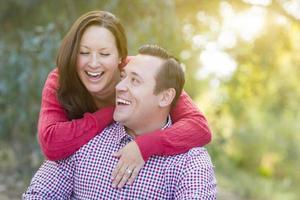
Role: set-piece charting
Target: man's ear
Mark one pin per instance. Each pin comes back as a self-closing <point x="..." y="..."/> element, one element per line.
<point x="166" y="97"/>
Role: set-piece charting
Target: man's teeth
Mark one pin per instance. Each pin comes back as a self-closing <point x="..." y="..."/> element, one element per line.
<point x="93" y="74"/>
<point x="122" y="101"/>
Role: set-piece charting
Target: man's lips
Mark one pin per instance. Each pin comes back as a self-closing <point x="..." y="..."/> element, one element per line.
<point x="121" y="101"/>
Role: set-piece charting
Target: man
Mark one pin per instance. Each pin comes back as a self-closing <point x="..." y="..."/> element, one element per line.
<point x="151" y="83"/>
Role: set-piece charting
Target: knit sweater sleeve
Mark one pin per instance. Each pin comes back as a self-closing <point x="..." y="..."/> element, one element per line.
<point x="190" y="129"/>
<point x="60" y="137"/>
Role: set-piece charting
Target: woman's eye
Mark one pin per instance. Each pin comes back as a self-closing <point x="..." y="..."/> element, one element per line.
<point x="84" y="53"/>
<point x="104" y="54"/>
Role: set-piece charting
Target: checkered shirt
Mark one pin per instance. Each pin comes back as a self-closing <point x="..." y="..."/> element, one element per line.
<point x="87" y="173"/>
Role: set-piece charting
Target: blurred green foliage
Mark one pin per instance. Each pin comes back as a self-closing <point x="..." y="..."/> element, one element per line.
<point x="254" y="112"/>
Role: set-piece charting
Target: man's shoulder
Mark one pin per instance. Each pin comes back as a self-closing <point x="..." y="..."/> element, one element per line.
<point x="109" y="131"/>
<point x="107" y="134"/>
<point x="195" y="157"/>
<point x="114" y="126"/>
<point x="199" y="156"/>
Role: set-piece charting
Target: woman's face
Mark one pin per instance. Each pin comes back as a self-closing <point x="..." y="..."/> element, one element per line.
<point x="97" y="61"/>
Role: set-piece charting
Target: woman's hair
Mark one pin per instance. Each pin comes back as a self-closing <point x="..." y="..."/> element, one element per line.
<point x="72" y="94"/>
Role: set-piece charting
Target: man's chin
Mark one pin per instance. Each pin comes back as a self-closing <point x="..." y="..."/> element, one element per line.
<point x="118" y="117"/>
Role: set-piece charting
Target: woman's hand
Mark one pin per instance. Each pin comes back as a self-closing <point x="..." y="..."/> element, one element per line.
<point x="129" y="165"/>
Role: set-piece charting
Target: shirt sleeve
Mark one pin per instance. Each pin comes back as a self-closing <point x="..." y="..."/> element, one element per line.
<point x="198" y="179"/>
<point x="190" y="129"/>
<point x="54" y="180"/>
<point x="60" y="137"/>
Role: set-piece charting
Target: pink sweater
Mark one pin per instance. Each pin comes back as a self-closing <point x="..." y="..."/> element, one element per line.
<point x="60" y="137"/>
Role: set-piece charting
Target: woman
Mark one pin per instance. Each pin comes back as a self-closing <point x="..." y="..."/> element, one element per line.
<point x="78" y="99"/>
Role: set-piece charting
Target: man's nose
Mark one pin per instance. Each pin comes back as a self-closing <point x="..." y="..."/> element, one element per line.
<point x="122" y="85"/>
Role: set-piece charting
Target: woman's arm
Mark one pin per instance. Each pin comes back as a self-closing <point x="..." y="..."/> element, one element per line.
<point x="189" y="129"/>
<point x="58" y="136"/>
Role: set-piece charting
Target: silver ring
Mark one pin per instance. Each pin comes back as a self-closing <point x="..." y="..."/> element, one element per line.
<point x="128" y="171"/>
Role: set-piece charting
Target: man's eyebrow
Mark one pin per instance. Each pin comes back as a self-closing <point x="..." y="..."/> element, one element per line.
<point x="135" y="74"/>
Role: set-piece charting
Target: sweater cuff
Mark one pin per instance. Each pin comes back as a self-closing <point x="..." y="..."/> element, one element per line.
<point x="150" y="144"/>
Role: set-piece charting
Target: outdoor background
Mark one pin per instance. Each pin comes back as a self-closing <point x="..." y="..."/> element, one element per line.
<point x="242" y="60"/>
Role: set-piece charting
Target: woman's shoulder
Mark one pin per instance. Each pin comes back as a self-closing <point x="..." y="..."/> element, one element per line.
<point x="52" y="79"/>
<point x="53" y="74"/>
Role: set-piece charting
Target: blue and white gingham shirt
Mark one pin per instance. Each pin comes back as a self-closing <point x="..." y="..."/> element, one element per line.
<point x="87" y="173"/>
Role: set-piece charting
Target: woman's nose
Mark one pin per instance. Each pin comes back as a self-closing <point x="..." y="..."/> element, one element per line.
<point x="94" y="60"/>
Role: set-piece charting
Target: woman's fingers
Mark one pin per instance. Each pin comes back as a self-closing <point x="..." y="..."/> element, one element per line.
<point x="130" y="160"/>
<point x="134" y="174"/>
<point x="119" y="176"/>
<point x="117" y="169"/>
<point x="126" y="176"/>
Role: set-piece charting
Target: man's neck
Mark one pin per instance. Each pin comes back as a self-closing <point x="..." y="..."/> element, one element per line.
<point x="136" y="131"/>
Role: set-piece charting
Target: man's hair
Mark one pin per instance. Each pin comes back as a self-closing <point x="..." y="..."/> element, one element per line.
<point x="170" y="74"/>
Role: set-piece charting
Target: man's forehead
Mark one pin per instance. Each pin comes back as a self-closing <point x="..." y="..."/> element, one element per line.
<point x="144" y="63"/>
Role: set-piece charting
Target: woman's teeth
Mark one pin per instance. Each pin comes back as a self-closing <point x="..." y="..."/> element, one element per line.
<point x="93" y="74"/>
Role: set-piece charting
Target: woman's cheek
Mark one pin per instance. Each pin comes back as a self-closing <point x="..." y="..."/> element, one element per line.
<point x="81" y="62"/>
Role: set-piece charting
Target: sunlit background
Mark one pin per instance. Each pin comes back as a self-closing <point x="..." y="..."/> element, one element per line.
<point x="242" y="68"/>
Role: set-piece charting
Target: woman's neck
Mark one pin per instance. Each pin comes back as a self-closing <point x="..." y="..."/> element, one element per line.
<point x="107" y="96"/>
<point x="105" y="101"/>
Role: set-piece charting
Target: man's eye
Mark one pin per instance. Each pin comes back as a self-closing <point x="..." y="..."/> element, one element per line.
<point x="134" y="81"/>
<point x="104" y="54"/>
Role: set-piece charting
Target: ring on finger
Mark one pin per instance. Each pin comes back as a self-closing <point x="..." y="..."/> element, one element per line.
<point x="128" y="171"/>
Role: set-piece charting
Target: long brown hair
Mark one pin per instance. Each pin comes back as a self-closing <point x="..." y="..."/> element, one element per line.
<point x="72" y="94"/>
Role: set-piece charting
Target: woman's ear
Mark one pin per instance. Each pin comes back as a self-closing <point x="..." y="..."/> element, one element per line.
<point x="166" y="97"/>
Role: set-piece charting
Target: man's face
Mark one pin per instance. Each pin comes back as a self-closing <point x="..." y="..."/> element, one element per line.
<point x="136" y="102"/>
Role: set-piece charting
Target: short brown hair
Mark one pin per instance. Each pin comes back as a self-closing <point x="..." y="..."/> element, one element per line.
<point x="170" y="75"/>
<point x="72" y="94"/>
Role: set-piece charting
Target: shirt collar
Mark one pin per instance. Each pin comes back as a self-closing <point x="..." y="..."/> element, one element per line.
<point x="121" y="134"/>
<point x="169" y="123"/>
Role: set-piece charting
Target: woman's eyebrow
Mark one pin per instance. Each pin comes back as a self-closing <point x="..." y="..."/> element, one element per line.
<point x="85" y="46"/>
